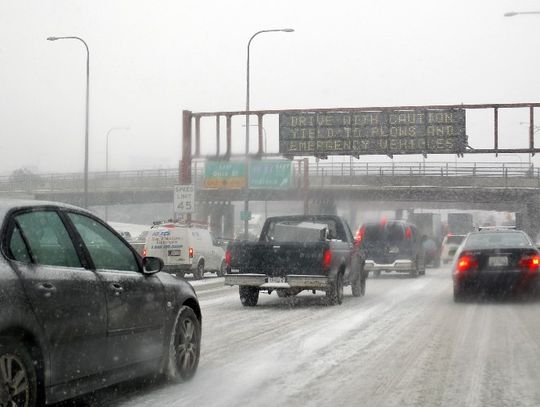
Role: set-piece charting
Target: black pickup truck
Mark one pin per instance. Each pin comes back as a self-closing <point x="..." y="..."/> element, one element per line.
<point x="296" y="253"/>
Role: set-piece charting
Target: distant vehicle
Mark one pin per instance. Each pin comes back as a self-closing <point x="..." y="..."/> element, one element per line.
<point x="186" y="248"/>
<point x="503" y="261"/>
<point x="449" y="247"/>
<point x="430" y="227"/>
<point x="81" y="310"/>
<point x="393" y="245"/>
<point x="460" y="223"/>
<point x="126" y="235"/>
<point x="296" y="253"/>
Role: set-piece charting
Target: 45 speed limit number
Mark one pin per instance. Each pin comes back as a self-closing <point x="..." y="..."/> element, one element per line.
<point x="184" y="199"/>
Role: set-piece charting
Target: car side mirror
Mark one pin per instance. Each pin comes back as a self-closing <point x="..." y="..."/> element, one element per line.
<point x="152" y="265"/>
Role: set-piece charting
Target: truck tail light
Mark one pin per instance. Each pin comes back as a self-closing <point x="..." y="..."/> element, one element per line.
<point x="530" y="263"/>
<point x="465" y="263"/>
<point x="408" y="233"/>
<point x="228" y="257"/>
<point x="360" y="235"/>
<point x="326" y="259"/>
<point x="190" y="251"/>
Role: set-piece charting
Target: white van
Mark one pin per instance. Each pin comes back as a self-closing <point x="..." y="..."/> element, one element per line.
<point x="185" y="248"/>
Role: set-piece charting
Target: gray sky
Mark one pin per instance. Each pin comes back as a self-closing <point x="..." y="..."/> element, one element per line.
<point x="151" y="59"/>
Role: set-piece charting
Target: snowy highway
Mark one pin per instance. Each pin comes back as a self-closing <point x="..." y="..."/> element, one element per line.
<point x="406" y="343"/>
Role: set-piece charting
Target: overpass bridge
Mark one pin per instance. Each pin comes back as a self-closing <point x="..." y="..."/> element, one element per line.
<point x="322" y="186"/>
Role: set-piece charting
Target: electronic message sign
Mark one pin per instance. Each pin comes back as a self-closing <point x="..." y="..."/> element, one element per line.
<point x="415" y="131"/>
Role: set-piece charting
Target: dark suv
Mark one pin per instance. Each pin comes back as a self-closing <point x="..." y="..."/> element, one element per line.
<point x="392" y="245"/>
<point x="80" y="309"/>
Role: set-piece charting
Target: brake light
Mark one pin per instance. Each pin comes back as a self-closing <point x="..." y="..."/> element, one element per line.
<point x="360" y="234"/>
<point x="531" y="263"/>
<point x="327" y="259"/>
<point x="228" y="257"/>
<point x="190" y="251"/>
<point x="408" y="233"/>
<point x="466" y="263"/>
<point x="144" y="252"/>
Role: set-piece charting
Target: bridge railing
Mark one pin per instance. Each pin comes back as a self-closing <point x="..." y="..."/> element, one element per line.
<point x="167" y="178"/>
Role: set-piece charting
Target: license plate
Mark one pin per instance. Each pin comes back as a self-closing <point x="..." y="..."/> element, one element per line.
<point x="174" y="252"/>
<point x="498" y="261"/>
<point x="276" y="279"/>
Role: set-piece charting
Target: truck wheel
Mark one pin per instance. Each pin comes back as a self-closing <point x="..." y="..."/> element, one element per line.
<point x="222" y="269"/>
<point x="19" y="377"/>
<point x="358" y="285"/>
<point x="199" y="271"/>
<point x="184" y="346"/>
<point x="334" y="294"/>
<point x="249" y="296"/>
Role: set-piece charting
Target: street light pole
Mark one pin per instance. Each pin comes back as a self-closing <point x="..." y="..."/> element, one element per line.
<point x="85" y="205"/>
<point x="246" y="199"/>
<point x="107" y="164"/>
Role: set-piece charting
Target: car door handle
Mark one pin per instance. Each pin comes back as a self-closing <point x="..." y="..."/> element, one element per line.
<point x="117" y="288"/>
<point x="46" y="288"/>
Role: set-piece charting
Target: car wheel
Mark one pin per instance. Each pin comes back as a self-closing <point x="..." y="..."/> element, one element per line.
<point x="414" y="272"/>
<point x="358" y="285"/>
<point x="249" y="296"/>
<point x="420" y="267"/>
<point x="185" y="346"/>
<point x="180" y="274"/>
<point x="18" y="377"/>
<point x="199" y="271"/>
<point x="459" y="294"/>
<point x="222" y="269"/>
<point x="335" y="293"/>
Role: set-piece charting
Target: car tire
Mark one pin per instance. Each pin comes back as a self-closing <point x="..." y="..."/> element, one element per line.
<point x="17" y="362"/>
<point x="459" y="294"/>
<point x="334" y="294"/>
<point x="198" y="274"/>
<point x="222" y="269"/>
<point x="249" y="296"/>
<point x="358" y="285"/>
<point x="180" y="274"/>
<point x="414" y="272"/>
<point x="184" y="346"/>
<point x="421" y="267"/>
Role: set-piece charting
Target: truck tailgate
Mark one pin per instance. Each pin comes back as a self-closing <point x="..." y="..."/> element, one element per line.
<point x="278" y="259"/>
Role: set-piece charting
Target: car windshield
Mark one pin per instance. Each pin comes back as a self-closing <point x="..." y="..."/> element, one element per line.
<point x="496" y="240"/>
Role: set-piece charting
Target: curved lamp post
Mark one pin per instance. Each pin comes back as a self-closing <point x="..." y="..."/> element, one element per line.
<point x="87" y="110"/>
<point x="246" y="200"/>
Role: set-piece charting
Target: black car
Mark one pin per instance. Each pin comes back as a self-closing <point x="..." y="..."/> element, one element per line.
<point x="498" y="261"/>
<point x="81" y="310"/>
<point x="392" y="245"/>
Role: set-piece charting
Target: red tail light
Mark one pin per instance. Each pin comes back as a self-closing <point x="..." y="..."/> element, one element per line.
<point x="190" y="251"/>
<point x="408" y="233"/>
<point x="531" y="263"/>
<point x="326" y="259"/>
<point x="465" y="263"/>
<point x="360" y="234"/>
<point x="144" y="252"/>
<point x="228" y="257"/>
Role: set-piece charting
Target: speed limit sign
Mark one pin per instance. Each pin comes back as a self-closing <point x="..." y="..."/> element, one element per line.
<point x="184" y="199"/>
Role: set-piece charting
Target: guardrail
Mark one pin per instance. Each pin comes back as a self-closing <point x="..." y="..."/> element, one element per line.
<point x="167" y="178"/>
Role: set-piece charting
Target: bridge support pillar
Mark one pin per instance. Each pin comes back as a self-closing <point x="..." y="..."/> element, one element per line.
<point x="530" y="219"/>
<point x="203" y="210"/>
<point x="228" y="221"/>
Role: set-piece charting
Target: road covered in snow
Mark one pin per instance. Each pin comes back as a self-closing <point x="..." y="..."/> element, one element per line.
<point x="406" y="343"/>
